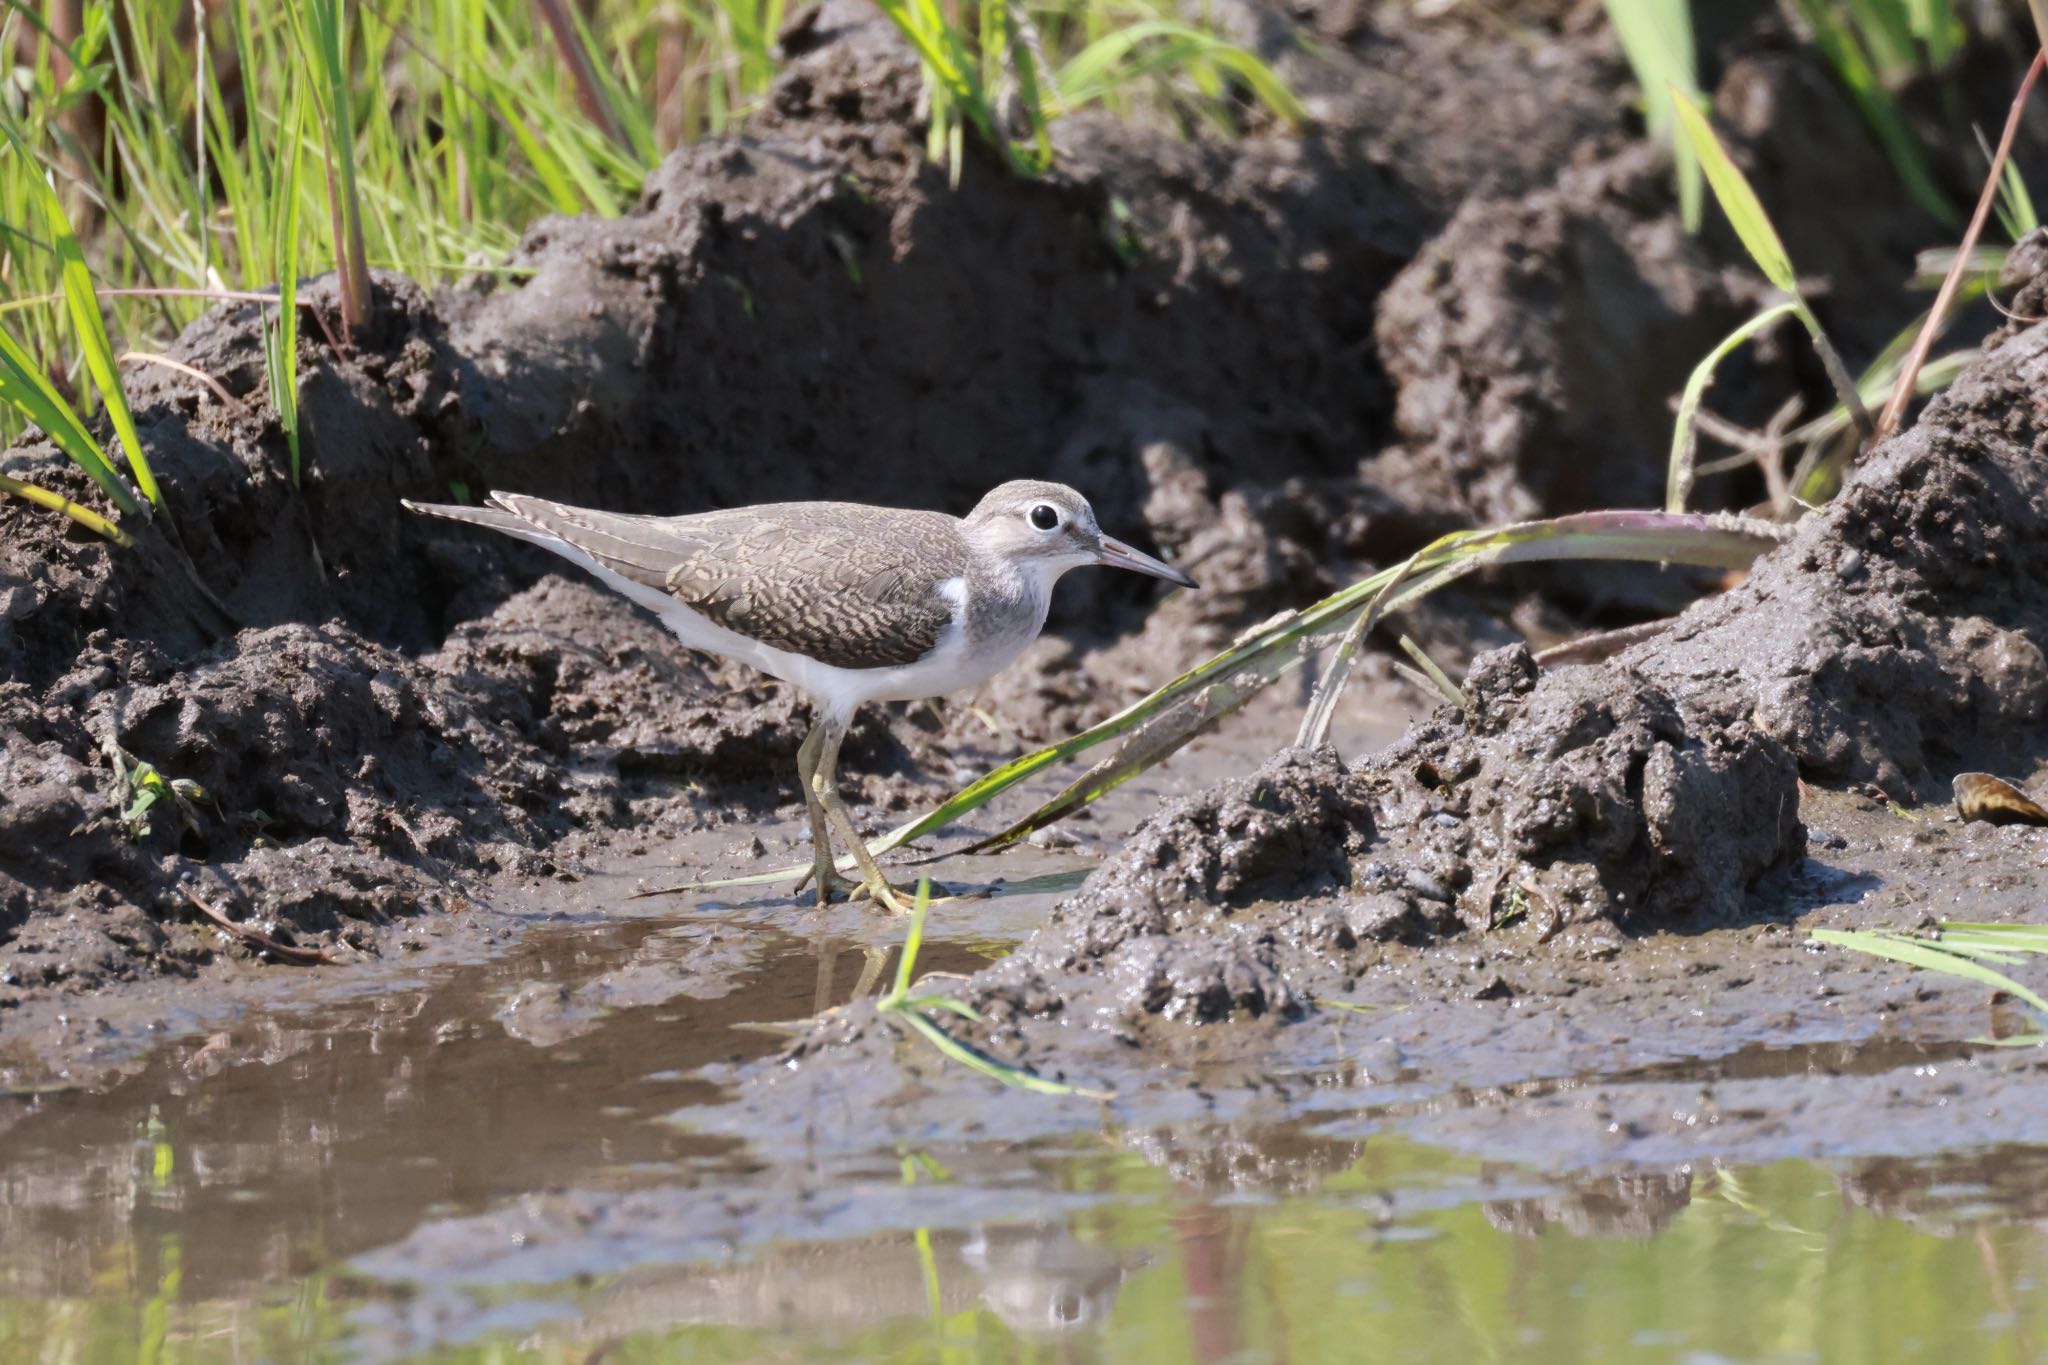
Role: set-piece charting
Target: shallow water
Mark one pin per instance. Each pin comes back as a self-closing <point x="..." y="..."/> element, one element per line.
<point x="496" y="1160"/>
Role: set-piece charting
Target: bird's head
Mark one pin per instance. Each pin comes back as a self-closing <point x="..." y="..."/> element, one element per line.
<point x="1048" y="528"/>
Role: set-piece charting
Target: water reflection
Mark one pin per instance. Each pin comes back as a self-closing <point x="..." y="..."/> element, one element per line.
<point x="481" y="1166"/>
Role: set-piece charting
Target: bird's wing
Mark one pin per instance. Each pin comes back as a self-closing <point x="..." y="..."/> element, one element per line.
<point x="851" y="586"/>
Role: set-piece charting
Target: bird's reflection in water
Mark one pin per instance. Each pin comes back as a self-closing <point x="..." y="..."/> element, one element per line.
<point x="1041" y="1281"/>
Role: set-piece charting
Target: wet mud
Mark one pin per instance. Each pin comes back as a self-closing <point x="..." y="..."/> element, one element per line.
<point x="376" y="709"/>
<point x="1886" y="644"/>
<point x="1562" y="929"/>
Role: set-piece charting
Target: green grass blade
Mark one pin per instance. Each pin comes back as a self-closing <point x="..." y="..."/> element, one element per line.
<point x="2015" y="205"/>
<point x="1452" y="694"/>
<point x="1656" y="36"/>
<point x="1100" y="67"/>
<point x="57" y="502"/>
<point x="1930" y="957"/>
<point x="281" y="343"/>
<point x="1737" y="199"/>
<point x="976" y="1060"/>
<point x="913" y="942"/>
<point x="1145" y="747"/>
<point x="1684" y="437"/>
<point x="2032" y="938"/>
<point x="81" y="300"/>
<point x="1843" y="44"/>
<point x="24" y="387"/>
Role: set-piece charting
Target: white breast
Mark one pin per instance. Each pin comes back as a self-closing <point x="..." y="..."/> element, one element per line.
<point x="949" y="666"/>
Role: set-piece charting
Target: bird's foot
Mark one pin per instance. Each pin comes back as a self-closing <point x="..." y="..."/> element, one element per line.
<point x="827" y="880"/>
<point x="897" y="900"/>
<point x="828" y="885"/>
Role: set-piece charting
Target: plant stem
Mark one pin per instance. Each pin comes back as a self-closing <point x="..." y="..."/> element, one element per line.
<point x="1909" y="373"/>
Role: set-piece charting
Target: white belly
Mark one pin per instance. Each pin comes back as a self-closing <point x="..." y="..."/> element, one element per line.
<point x="949" y="667"/>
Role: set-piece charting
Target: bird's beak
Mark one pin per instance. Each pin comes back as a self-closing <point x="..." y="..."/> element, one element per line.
<point x="1118" y="555"/>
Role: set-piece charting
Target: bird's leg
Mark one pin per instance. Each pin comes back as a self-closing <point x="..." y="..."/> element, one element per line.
<point x="823" y="870"/>
<point x="825" y="780"/>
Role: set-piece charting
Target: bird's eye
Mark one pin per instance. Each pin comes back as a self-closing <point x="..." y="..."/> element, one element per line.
<point x="1045" y="517"/>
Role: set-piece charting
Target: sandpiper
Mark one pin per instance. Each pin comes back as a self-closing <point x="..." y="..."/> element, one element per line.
<point x="847" y="602"/>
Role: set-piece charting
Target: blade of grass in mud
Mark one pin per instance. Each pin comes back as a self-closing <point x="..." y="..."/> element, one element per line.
<point x="1106" y="62"/>
<point x="322" y="33"/>
<point x="900" y="1004"/>
<point x="1909" y="372"/>
<point x="89" y="328"/>
<point x="1656" y="37"/>
<point x="25" y="388"/>
<point x="575" y="54"/>
<point x="2031" y="938"/>
<point x="1678" y="479"/>
<point x="1928" y="955"/>
<point x="281" y="342"/>
<point x="1141" y="749"/>
<point x="1322" y="705"/>
<point x="57" y="502"/>
<point x="1842" y="41"/>
<point x="1002" y="18"/>
<point x="1452" y="694"/>
<point x="2015" y="206"/>
<point x="1745" y="212"/>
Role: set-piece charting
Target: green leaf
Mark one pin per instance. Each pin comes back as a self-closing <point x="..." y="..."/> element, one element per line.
<point x="1881" y="27"/>
<point x="25" y="387"/>
<point x="1929" y="956"/>
<point x="281" y="343"/>
<point x="82" y="301"/>
<point x="1104" y="64"/>
<point x="57" y="502"/>
<point x="1656" y="36"/>
<point x="1737" y="200"/>
<point x="976" y="1060"/>
<point x="1684" y="439"/>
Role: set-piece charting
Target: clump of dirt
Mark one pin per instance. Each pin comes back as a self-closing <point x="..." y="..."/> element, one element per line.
<point x="1504" y="335"/>
<point x="1891" y="638"/>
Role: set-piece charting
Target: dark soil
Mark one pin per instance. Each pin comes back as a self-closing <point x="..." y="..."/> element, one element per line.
<point x="1460" y="296"/>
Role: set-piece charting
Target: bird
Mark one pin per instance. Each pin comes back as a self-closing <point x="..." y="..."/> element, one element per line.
<point x="847" y="603"/>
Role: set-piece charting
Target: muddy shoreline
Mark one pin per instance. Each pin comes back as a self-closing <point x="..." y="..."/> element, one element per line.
<point x="1280" y="360"/>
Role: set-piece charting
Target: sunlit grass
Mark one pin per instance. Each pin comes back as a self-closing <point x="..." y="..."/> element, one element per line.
<point x="915" y="1012"/>
<point x="1657" y="37"/>
<point x="1967" y="951"/>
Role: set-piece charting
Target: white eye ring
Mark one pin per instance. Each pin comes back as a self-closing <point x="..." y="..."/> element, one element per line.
<point x="1044" y="516"/>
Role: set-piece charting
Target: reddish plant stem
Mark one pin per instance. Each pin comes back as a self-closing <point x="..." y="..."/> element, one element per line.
<point x="256" y="938"/>
<point x="589" y="93"/>
<point x="1909" y="373"/>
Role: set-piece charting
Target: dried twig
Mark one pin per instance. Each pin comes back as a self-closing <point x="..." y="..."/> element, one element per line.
<point x="256" y="938"/>
<point x="191" y="371"/>
<point x="1909" y="373"/>
<point x="1605" y="644"/>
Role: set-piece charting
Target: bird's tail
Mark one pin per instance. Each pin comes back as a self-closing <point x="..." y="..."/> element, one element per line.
<point x="497" y="518"/>
<point x="590" y="539"/>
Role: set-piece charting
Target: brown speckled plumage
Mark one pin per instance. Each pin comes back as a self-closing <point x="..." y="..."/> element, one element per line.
<point x="852" y="604"/>
<point x="844" y="584"/>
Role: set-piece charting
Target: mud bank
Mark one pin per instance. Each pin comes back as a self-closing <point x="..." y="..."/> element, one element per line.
<point x="1239" y="351"/>
<point x="1891" y="641"/>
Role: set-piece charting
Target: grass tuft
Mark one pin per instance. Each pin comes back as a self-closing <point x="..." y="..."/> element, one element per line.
<point x="912" y="1010"/>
